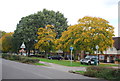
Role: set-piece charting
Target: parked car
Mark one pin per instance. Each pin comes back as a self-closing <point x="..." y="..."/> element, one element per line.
<point x="68" y="57"/>
<point x="90" y="60"/>
<point x="58" y="57"/>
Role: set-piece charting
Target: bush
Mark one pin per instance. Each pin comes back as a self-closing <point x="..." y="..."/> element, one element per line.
<point x="20" y="58"/>
<point x="38" y="55"/>
<point x="103" y="72"/>
<point x="117" y="60"/>
<point x="29" y="60"/>
<point x="6" y="56"/>
<point x="15" y="57"/>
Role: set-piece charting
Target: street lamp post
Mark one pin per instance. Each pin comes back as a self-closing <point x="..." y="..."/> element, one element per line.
<point x="97" y="47"/>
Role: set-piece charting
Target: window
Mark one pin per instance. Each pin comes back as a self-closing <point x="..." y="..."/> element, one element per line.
<point x="101" y="57"/>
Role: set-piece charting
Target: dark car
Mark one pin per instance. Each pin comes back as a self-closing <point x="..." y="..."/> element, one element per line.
<point x="90" y="60"/>
<point x="58" y="57"/>
<point x="68" y="57"/>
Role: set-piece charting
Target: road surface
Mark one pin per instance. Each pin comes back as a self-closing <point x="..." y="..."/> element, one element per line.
<point x="16" y="70"/>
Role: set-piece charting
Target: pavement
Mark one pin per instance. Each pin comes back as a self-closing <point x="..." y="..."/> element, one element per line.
<point x="63" y="68"/>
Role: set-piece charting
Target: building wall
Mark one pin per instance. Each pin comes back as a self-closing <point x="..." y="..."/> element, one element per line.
<point x="118" y="52"/>
<point x="110" y="55"/>
<point x="112" y="50"/>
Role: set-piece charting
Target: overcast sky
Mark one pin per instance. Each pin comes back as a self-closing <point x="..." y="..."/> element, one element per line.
<point x="11" y="11"/>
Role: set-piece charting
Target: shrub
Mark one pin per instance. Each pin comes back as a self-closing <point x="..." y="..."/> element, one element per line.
<point x="6" y="56"/>
<point x="15" y="57"/>
<point x="103" y="72"/>
<point x="29" y="60"/>
<point x="117" y="60"/>
<point x="19" y="58"/>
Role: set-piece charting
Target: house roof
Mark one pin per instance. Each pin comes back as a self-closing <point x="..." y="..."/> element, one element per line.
<point x="117" y="42"/>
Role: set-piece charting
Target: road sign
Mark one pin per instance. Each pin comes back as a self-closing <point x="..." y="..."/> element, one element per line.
<point x="23" y="45"/>
<point x="97" y="47"/>
<point x="71" y="48"/>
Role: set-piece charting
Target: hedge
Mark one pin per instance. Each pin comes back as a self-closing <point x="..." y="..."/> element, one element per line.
<point x="103" y="72"/>
<point x="19" y="58"/>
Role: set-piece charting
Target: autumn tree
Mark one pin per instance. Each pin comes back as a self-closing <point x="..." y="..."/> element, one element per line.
<point x="46" y="39"/>
<point x="2" y="33"/>
<point x="89" y="32"/>
<point x="28" y="26"/>
<point x="99" y="31"/>
<point x="7" y="43"/>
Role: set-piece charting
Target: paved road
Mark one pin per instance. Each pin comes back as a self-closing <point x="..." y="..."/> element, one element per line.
<point x="15" y="70"/>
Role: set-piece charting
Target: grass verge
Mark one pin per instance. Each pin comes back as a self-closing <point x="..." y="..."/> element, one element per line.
<point x="63" y="62"/>
<point x="78" y="72"/>
<point x="40" y="64"/>
<point x="108" y="65"/>
<point x="68" y="63"/>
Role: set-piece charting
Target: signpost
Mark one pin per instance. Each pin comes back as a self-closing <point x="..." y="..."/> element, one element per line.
<point x="97" y="47"/>
<point x="71" y="49"/>
<point x="22" y="48"/>
<point x="23" y="45"/>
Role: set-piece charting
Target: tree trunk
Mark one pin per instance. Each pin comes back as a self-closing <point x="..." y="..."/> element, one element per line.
<point x="21" y="53"/>
<point x="82" y="55"/>
<point x="63" y="54"/>
<point x="34" y="52"/>
<point x="78" y="56"/>
<point x="28" y="53"/>
<point x="45" y="53"/>
<point x="74" y="56"/>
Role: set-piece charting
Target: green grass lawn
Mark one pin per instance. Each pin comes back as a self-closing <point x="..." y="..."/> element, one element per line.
<point x="68" y="63"/>
<point x="62" y="62"/>
<point x="108" y="65"/>
<point x="80" y="72"/>
<point x="40" y="64"/>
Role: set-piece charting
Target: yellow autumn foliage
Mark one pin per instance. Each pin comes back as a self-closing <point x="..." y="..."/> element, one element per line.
<point x="46" y="37"/>
<point x="89" y="32"/>
<point x="6" y="42"/>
